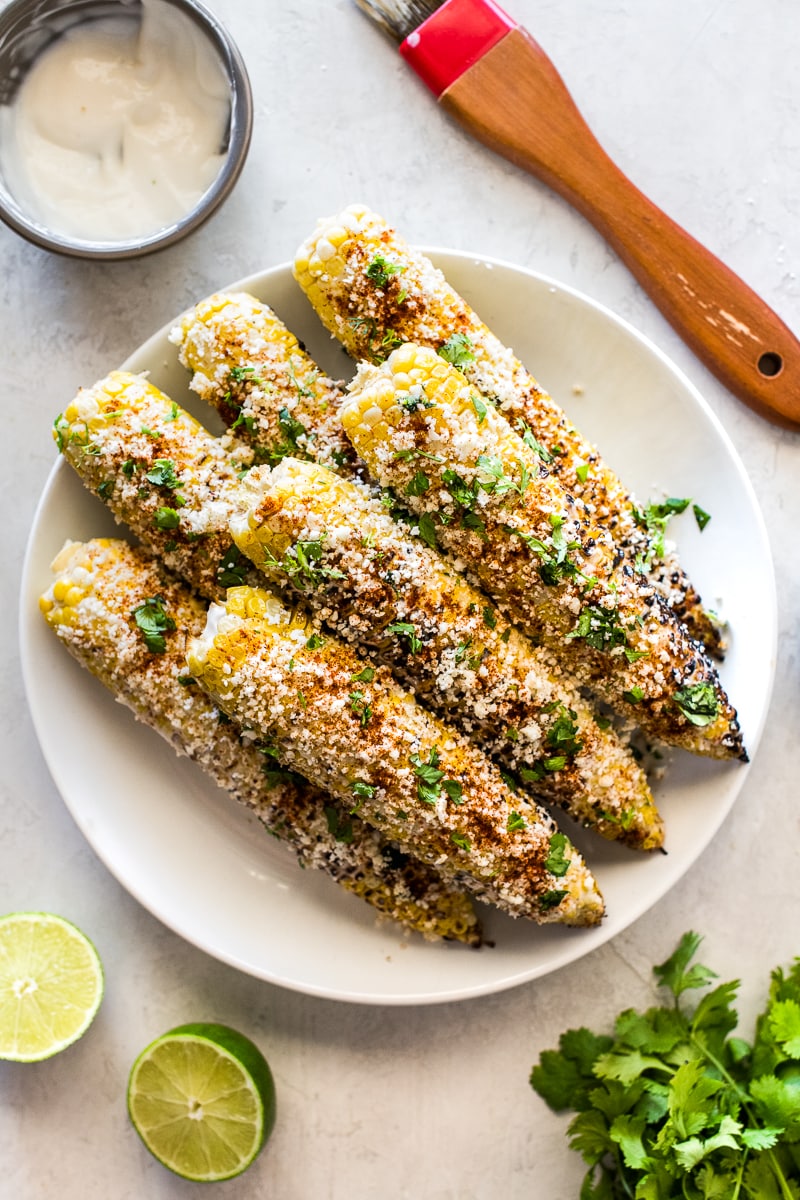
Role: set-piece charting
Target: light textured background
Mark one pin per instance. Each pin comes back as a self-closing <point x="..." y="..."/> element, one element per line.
<point x="699" y="101"/>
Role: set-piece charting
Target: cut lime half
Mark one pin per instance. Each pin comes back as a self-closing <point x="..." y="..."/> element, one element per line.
<point x="51" y="985"/>
<point x="202" y="1100"/>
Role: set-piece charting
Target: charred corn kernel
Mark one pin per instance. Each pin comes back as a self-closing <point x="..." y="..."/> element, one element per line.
<point x="375" y="292"/>
<point x="116" y="583"/>
<point x="375" y="585"/>
<point x="404" y="771"/>
<point x="248" y="365"/>
<point x="161" y="473"/>
<point x="535" y="548"/>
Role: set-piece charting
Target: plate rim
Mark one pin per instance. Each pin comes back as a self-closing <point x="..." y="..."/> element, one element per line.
<point x="572" y="950"/>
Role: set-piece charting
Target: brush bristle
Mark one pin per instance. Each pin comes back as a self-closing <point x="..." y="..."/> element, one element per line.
<point x="399" y="18"/>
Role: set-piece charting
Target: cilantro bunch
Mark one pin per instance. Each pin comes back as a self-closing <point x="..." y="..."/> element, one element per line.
<point x="673" y="1106"/>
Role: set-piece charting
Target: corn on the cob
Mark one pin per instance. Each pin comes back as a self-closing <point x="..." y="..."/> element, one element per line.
<point x="373" y="292"/>
<point x="376" y="585"/>
<point x="248" y="365"/>
<point x="534" y="547"/>
<point x="161" y="473"/>
<point x="124" y="619"/>
<point x="405" y="772"/>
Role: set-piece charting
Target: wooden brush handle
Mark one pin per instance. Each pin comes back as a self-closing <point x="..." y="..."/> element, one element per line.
<point x="514" y="100"/>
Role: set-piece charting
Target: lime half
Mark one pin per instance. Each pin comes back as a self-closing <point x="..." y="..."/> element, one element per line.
<point x="202" y="1100"/>
<point x="51" y="985"/>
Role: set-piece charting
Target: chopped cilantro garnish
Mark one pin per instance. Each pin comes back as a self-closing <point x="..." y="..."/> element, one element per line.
<point x="364" y="791"/>
<point x="166" y="518"/>
<point x="381" y="270"/>
<point x="153" y="622"/>
<point x="457" y="350"/>
<point x="427" y="529"/>
<point x="105" y="489"/>
<point x="315" y="642"/>
<point x="339" y="825"/>
<point x="480" y="407"/>
<point x="365" y="676"/>
<point x="410" y="402"/>
<point x="232" y="568"/>
<point x="531" y="442"/>
<point x="431" y="780"/>
<point x="360" y="707"/>
<point x="582" y="471"/>
<point x="460" y="840"/>
<point x="555" y="862"/>
<point x="418" y="485"/>
<point x="162" y="474"/>
<point x="698" y="702"/>
<point x="515" y="822"/>
<point x="634" y="696"/>
<point x="303" y="563"/>
<point x="489" y="618"/>
<point x="407" y="630"/>
<point x="493" y="479"/>
<point x="551" y="899"/>
<point x="701" y="516"/>
<point x="597" y="626"/>
<point x="562" y="734"/>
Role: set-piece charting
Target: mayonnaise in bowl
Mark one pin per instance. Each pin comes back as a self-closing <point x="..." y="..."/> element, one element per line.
<point x="119" y="126"/>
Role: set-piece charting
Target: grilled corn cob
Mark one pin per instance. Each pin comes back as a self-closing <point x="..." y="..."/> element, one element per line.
<point x="124" y="619"/>
<point x="161" y="473"/>
<point x="405" y="772"/>
<point x="374" y="584"/>
<point x="248" y="365"/>
<point x="373" y="292"/>
<point x="535" y="548"/>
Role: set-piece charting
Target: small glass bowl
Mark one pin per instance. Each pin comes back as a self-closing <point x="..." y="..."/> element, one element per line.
<point x="28" y="26"/>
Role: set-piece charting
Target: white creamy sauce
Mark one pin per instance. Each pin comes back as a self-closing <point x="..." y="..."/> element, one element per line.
<point x="116" y="131"/>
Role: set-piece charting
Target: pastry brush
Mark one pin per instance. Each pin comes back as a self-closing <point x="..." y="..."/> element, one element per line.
<point x="495" y="79"/>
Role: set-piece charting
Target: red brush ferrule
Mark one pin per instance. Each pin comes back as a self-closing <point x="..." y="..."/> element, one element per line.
<point x="451" y="40"/>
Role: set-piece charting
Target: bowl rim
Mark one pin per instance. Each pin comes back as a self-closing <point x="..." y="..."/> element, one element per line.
<point x="240" y="134"/>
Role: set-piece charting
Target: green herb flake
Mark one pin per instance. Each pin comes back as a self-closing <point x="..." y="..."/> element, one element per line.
<point x="162" y="474"/>
<point x="166" y="518"/>
<point x="339" y="825"/>
<point x="479" y="406"/>
<point x="233" y="568"/>
<point x="457" y="350"/>
<point x="582" y="472"/>
<point x="407" y="630"/>
<point x="489" y="618"/>
<point x="362" y="790"/>
<point x="460" y="840"/>
<point x="427" y="529"/>
<point x="364" y="676"/>
<point x="532" y="443"/>
<point x="381" y="270"/>
<point x="698" y="702"/>
<point x="315" y="642"/>
<point x="515" y="822"/>
<point x="634" y="695"/>
<point x="418" y="485"/>
<point x="360" y="708"/>
<point x="153" y="622"/>
<point x="701" y="516"/>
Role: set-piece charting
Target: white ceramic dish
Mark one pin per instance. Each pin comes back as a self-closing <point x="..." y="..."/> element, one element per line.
<point x="207" y="870"/>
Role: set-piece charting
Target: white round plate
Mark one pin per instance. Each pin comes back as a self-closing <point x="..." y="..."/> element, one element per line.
<point x="207" y="870"/>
